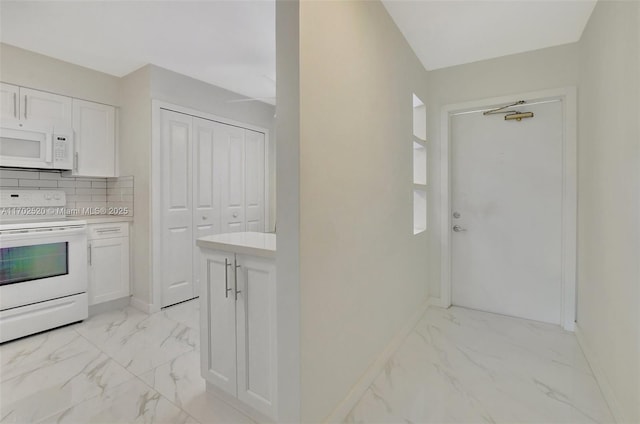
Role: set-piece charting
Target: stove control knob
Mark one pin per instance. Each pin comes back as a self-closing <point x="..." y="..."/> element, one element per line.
<point x="56" y="196"/>
<point x="47" y="197"/>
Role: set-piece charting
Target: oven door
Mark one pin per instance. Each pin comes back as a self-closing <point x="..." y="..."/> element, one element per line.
<point x="25" y="147"/>
<point x="42" y="264"/>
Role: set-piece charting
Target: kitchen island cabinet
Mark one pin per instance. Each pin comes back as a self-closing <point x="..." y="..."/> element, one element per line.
<point x="238" y="320"/>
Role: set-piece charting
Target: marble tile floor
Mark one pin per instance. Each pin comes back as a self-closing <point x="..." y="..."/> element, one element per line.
<point x="464" y="366"/>
<point x="122" y="366"/>
<point x="456" y="366"/>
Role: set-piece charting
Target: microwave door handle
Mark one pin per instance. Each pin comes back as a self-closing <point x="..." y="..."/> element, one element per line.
<point x="48" y="154"/>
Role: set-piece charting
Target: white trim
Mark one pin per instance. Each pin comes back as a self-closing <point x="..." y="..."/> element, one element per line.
<point x="569" y="193"/>
<point x="156" y="208"/>
<point x="437" y="302"/>
<point x="141" y="305"/>
<point x="601" y="378"/>
<point x="340" y="413"/>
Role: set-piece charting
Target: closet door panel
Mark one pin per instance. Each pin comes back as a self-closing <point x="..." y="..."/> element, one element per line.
<point x="254" y="180"/>
<point x="206" y="207"/>
<point x="177" y="213"/>
<point x="229" y="146"/>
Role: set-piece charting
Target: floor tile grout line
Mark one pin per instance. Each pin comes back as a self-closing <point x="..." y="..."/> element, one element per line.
<point x="160" y="393"/>
<point x="147" y="317"/>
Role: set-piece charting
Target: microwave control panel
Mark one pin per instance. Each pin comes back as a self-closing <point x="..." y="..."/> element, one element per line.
<point x="60" y="147"/>
<point x="62" y="150"/>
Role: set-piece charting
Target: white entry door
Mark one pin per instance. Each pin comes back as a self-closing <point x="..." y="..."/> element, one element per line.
<point x="507" y="180"/>
<point x="177" y="208"/>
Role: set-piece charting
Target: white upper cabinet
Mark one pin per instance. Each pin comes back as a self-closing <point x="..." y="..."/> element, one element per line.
<point x="94" y="127"/>
<point x="28" y="105"/>
<point x="9" y="102"/>
<point x="93" y="124"/>
<point x="44" y="108"/>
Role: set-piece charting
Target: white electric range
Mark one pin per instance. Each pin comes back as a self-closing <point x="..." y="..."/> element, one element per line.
<point x="43" y="263"/>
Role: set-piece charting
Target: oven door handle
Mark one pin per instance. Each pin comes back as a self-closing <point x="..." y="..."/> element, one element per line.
<point x="34" y="233"/>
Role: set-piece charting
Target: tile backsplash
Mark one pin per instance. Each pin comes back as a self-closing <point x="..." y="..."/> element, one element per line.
<point x="81" y="192"/>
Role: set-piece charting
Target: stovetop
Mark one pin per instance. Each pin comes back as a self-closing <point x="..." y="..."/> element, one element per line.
<point x="28" y="209"/>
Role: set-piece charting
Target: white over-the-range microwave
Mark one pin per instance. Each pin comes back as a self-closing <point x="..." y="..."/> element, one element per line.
<point x="27" y="145"/>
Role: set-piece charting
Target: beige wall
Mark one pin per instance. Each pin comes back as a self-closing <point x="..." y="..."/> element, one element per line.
<point x="609" y="196"/>
<point x="134" y="152"/>
<point x="33" y="70"/>
<point x="520" y="73"/>
<point x="362" y="271"/>
<point x="288" y="205"/>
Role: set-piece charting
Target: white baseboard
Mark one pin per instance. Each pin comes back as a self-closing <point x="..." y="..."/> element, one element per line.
<point x="357" y="391"/>
<point x="109" y="306"/>
<point x="141" y="306"/>
<point x="436" y="301"/>
<point x="237" y="404"/>
<point x="601" y="378"/>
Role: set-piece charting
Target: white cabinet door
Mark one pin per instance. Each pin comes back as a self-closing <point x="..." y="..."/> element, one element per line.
<point x="254" y="180"/>
<point x="45" y="108"/>
<point x="256" y="333"/>
<point x="206" y="206"/>
<point x="9" y="102"/>
<point x="95" y="141"/>
<point x="108" y="269"/>
<point x="229" y="159"/>
<point x="218" y="321"/>
<point x="177" y="208"/>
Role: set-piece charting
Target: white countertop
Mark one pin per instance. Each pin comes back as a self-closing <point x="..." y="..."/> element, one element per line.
<point x="102" y="219"/>
<point x="247" y="243"/>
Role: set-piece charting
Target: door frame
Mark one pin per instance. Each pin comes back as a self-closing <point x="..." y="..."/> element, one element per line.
<point x="567" y="95"/>
<point x="156" y="188"/>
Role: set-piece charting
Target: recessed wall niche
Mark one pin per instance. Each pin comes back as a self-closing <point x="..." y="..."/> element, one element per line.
<point x="419" y="211"/>
<point x="419" y="166"/>
<point x="419" y="119"/>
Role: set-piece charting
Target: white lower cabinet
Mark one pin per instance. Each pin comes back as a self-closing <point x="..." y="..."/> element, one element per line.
<point x="238" y="331"/>
<point x="108" y="256"/>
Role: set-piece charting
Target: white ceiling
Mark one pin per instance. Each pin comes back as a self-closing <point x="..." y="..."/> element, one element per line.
<point x="454" y="32"/>
<point x="230" y="44"/>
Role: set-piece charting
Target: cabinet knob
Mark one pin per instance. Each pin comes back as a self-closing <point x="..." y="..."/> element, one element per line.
<point x="235" y="214"/>
<point x="204" y="218"/>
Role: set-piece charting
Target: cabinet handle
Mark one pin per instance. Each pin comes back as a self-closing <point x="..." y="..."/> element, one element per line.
<point x="15" y="105"/>
<point x="75" y="161"/>
<point x="109" y="230"/>
<point x="25" y="106"/>
<point x="89" y="253"/>
<point x="227" y="264"/>
<point x="235" y="276"/>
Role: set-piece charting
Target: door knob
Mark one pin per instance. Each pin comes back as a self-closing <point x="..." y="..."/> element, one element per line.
<point x="456" y="215"/>
<point x="458" y="229"/>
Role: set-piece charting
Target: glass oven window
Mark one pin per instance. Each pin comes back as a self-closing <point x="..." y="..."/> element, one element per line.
<point x="25" y="263"/>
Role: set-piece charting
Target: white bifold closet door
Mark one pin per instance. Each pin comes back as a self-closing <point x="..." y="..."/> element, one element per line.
<point x="213" y="181"/>
<point x="177" y="208"/>
<point x="254" y="206"/>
